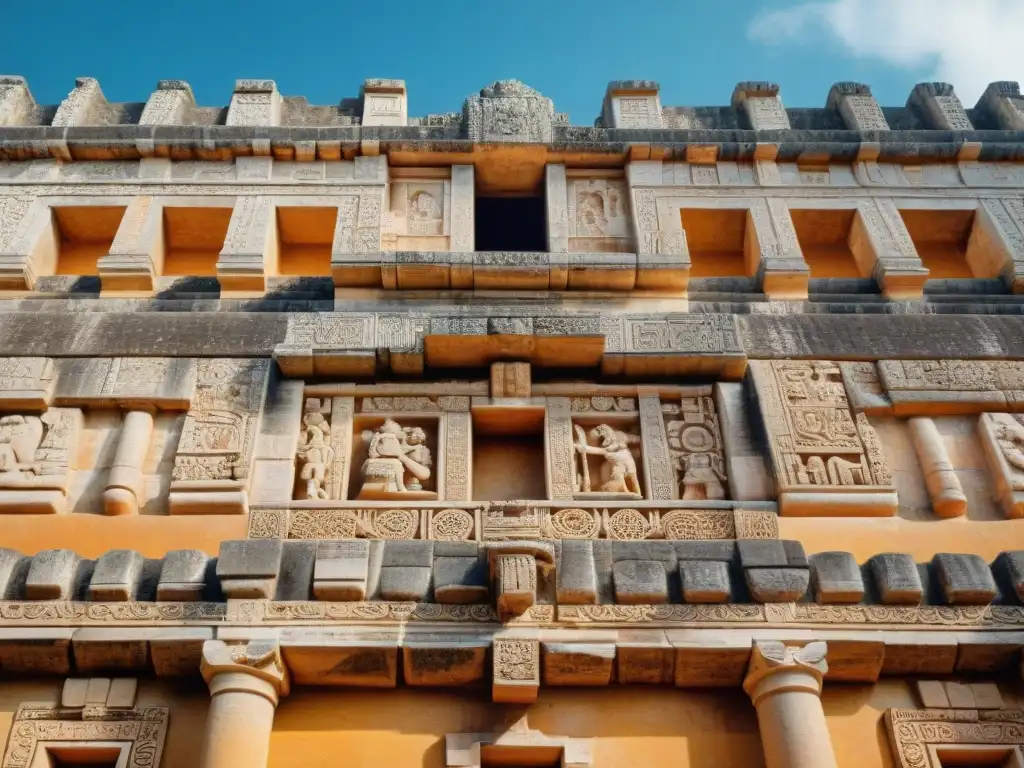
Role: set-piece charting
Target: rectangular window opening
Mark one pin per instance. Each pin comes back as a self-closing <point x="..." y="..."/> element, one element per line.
<point x="84" y="236"/>
<point x="824" y="238"/>
<point x="508" y="454"/>
<point x="716" y="240"/>
<point x="941" y="239"/>
<point x="510" y="224"/>
<point x="193" y="240"/>
<point x="305" y="235"/>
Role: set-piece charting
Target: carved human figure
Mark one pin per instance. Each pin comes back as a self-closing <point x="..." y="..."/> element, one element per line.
<point x="423" y="206"/>
<point x="20" y="437"/>
<point x="315" y="453"/>
<point x="392" y="458"/>
<point x="1010" y="439"/>
<point x="618" y="470"/>
<point x="702" y="476"/>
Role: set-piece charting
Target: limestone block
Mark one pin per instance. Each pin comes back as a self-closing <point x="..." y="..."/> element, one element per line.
<point x="460" y="579"/>
<point x="777" y="585"/>
<point x="857" y="107"/>
<point x="938" y="107"/>
<point x="1001" y="100"/>
<point x="346" y="658"/>
<point x="640" y="582"/>
<point x="644" y="657"/>
<point x="709" y="549"/>
<point x="988" y="652"/>
<point x="16" y="102"/>
<point x="183" y="576"/>
<point x="36" y="650"/>
<point x="1000" y="434"/>
<point x="96" y="691"/>
<point x="121" y="694"/>
<point x="384" y="102"/>
<point x="516" y="583"/>
<point x="576" y="574"/>
<point x="419" y="554"/>
<point x="631" y="104"/>
<point x="250" y="247"/>
<point x="404" y="582"/>
<point x="86" y="105"/>
<point x="960" y="696"/>
<point x="454" y="662"/>
<point x="919" y="653"/>
<point x="836" y="578"/>
<point x="1009" y="568"/>
<point x="509" y="111"/>
<point x="249" y="569"/>
<point x="762" y="106"/>
<point x="52" y="575"/>
<point x="705" y="581"/>
<point x="516" y="669"/>
<point x="13" y="570"/>
<point x="578" y="663"/>
<point x="255" y="103"/>
<point x="965" y="579"/>
<point x="896" y="579"/>
<point x="761" y="554"/>
<point x="510" y="380"/>
<point x="341" y="569"/>
<point x="710" y="660"/>
<point x="26" y="383"/>
<point x="986" y="696"/>
<point x="932" y="694"/>
<point x="168" y="104"/>
<point x="178" y="651"/>
<point x="130" y="383"/>
<point x="116" y="576"/>
<point x="73" y="693"/>
<point x="99" y="650"/>
<point x="747" y="473"/>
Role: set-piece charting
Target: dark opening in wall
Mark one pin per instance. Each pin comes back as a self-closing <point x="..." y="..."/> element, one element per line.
<point x="510" y="224"/>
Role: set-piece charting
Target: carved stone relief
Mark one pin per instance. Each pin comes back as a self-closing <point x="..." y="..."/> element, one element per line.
<point x="915" y="735"/>
<point x="35" y="459"/>
<point x="315" y="452"/>
<point x="1002" y="438"/>
<point x="418" y="217"/>
<point x="695" y="442"/>
<point x="598" y="215"/>
<point x="615" y="474"/>
<point x="639" y="524"/>
<point x="399" y="465"/>
<point x="452" y="524"/>
<point x="816" y="444"/>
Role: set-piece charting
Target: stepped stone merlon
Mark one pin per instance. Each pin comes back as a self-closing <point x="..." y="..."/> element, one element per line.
<point x="16" y="101"/>
<point x="385" y="102"/>
<point x="255" y="103"/>
<point x="1002" y="101"/>
<point x="760" y="102"/>
<point x="168" y="103"/>
<point x="939" y="107"/>
<point x="631" y="104"/>
<point x="857" y="107"/>
<point x="83" y="106"/>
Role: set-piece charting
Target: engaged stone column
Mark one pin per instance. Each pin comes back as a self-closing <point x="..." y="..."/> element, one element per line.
<point x="784" y="684"/>
<point x="124" y="484"/>
<point x="245" y="684"/>
<point x="944" y="488"/>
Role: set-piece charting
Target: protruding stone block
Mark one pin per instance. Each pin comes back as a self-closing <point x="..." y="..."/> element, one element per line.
<point x="896" y="579"/>
<point x="121" y="694"/>
<point x="249" y="569"/>
<point x="340" y="570"/>
<point x="932" y="694"/>
<point x="965" y="579"/>
<point x="578" y="663"/>
<point x="760" y="102"/>
<point x="1009" y="566"/>
<point x="510" y="380"/>
<point x="16" y="102"/>
<point x="577" y="575"/>
<point x="183" y="576"/>
<point x="416" y="554"/>
<point x="83" y="106"/>
<point x="13" y="569"/>
<point x="168" y="104"/>
<point x="73" y="693"/>
<point x="1001" y="100"/>
<point x="705" y="581"/>
<point x="631" y="104"/>
<point x="938" y="107"/>
<point x="116" y="576"/>
<point x="384" y="102"/>
<point x="516" y="673"/>
<point x="255" y="103"/>
<point x="836" y="578"/>
<point x="640" y="582"/>
<point x="404" y="583"/>
<point x="460" y="579"/>
<point x="51" y="576"/>
<point x="516" y="578"/>
<point x="857" y="107"/>
<point x="775" y="571"/>
<point x="444" y="663"/>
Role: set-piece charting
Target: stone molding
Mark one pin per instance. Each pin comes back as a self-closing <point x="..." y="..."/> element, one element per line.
<point x="772" y="657"/>
<point x="260" y="659"/>
<point x="143" y="730"/>
<point x="916" y="734"/>
<point x="463" y="750"/>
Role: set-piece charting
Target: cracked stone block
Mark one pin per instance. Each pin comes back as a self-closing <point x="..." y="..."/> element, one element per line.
<point x="340" y="570"/>
<point x="183" y="576"/>
<point x="51" y="576"/>
<point x="640" y="582"/>
<point x="249" y="569"/>
<point x="705" y="581"/>
<point x="1009" y="566"/>
<point x="116" y="576"/>
<point x="460" y="580"/>
<point x="836" y="578"/>
<point x="777" y="585"/>
<point x="404" y="583"/>
<point x="414" y="554"/>
<point x="576" y="574"/>
<point x="896" y="578"/>
<point x="965" y="579"/>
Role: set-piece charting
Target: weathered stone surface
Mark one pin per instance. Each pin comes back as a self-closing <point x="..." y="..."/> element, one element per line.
<point x="640" y="582"/>
<point x="577" y="576"/>
<point x="341" y="570"/>
<point x="1009" y="568"/>
<point x="777" y="585"/>
<point x="836" y="578"/>
<point x="52" y="575"/>
<point x="404" y="582"/>
<point x="578" y="663"/>
<point x="965" y="579"/>
<point x="444" y="663"/>
<point x="13" y="571"/>
<point x="705" y="581"/>
<point x="249" y="568"/>
<point x="460" y="580"/>
<point x="116" y="576"/>
<point x="896" y="579"/>
<point x="183" y="575"/>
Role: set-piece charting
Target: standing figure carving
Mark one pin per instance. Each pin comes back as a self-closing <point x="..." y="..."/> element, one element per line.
<point x="618" y="472"/>
<point x="316" y="454"/>
<point x="398" y="463"/>
<point x="20" y="437"/>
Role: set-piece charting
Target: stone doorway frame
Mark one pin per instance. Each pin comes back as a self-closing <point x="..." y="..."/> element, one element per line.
<point x="923" y="738"/>
<point x="466" y="750"/>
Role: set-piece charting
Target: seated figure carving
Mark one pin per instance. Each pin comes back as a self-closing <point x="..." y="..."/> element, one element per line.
<point x="398" y="463"/>
<point x="618" y="473"/>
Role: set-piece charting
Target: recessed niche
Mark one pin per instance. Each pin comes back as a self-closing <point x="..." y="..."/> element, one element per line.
<point x="510" y="224"/>
<point x="394" y="458"/>
<point x="193" y="240"/>
<point x="508" y="453"/>
<point x="824" y="237"/>
<point x="305" y="235"/>
<point x="606" y="457"/>
<point x="84" y="235"/>
<point x="716" y="239"/>
<point x="941" y="238"/>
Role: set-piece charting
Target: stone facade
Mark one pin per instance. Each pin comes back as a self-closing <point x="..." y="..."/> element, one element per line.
<point x="716" y="409"/>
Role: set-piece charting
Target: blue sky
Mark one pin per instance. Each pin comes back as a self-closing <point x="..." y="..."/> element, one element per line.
<point x="567" y="49"/>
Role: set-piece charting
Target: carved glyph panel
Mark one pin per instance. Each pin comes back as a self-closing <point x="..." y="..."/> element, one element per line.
<point x="418" y="216"/>
<point x="1002" y="439"/>
<point x="916" y="735"/>
<point x="598" y="215"/>
<point x="695" y="444"/>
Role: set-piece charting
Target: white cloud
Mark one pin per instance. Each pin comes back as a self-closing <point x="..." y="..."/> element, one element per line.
<point x="968" y="43"/>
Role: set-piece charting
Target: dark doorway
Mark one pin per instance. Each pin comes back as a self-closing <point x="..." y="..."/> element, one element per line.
<point x="510" y="224"/>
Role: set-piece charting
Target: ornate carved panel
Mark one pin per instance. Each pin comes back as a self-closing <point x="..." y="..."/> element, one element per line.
<point x="916" y="735"/>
